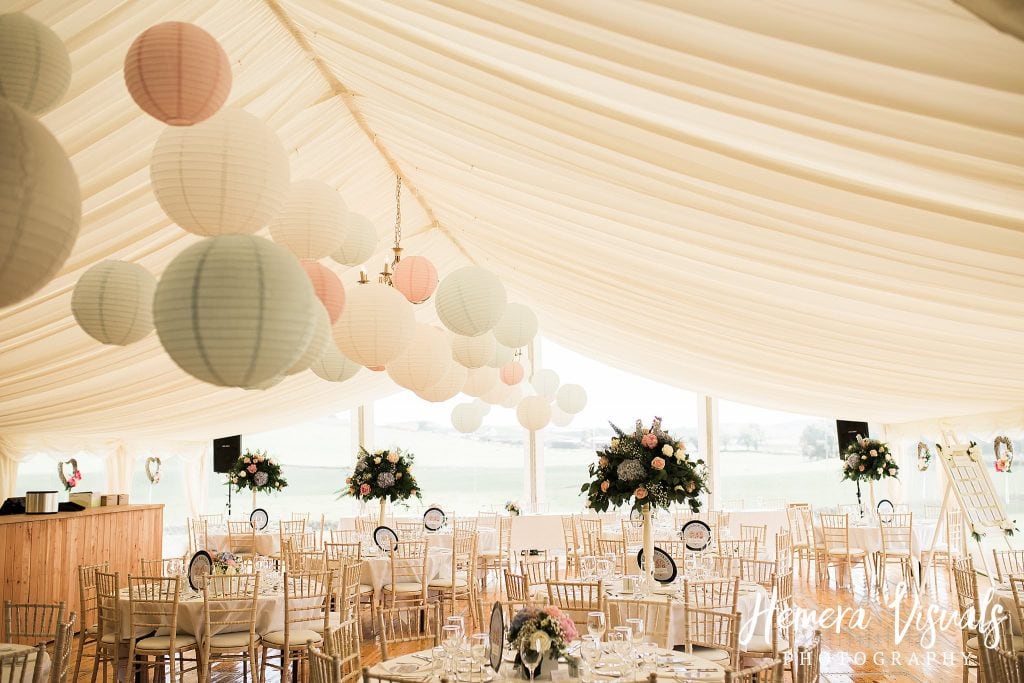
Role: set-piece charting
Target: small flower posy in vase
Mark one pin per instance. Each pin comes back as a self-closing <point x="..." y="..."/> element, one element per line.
<point x="382" y="475"/>
<point x="258" y="472"/>
<point x="645" y="469"/>
<point x="549" y="630"/>
<point x="512" y="508"/>
<point x="868" y="460"/>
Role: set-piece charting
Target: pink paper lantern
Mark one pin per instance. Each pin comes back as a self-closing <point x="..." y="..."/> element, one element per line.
<point x="177" y="73"/>
<point x="512" y="373"/>
<point x="328" y="288"/>
<point x="416" y="278"/>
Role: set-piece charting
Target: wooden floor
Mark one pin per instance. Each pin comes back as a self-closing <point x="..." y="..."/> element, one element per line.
<point x="855" y="654"/>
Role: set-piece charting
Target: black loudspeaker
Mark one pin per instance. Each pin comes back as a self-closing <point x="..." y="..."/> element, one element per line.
<point x="847" y="432"/>
<point x="13" y="506"/>
<point x="226" y="452"/>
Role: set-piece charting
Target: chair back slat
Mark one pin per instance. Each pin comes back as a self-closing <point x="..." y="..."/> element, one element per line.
<point x="31" y="623"/>
<point x="577" y="598"/>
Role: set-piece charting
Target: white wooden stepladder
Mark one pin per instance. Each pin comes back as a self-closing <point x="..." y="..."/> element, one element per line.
<point x="981" y="506"/>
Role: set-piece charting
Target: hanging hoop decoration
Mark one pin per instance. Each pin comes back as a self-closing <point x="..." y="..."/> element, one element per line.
<point x="69" y="481"/>
<point x="153" y="470"/>
<point x="1004" y="459"/>
<point x="924" y="456"/>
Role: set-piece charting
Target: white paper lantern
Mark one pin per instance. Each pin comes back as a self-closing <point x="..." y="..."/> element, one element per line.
<point x="483" y="407"/>
<point x="512" y="373"/>
<point x="503" y="355"/>
<point x="472" y="352"/>
<point x="35" y="69"/>
<point x="376" y="325"/>
<point x="226" y="175"/>
<point x="317" y="343"/>
<point x="333" y="366"/>
<point x="512" y="399"/>
<point x="466" y="418"/>
<point x="517" y="327"/>
<point x="311" y="222"/>
<point x="425" y="360"/>
<point x="497" y="394"/>
<point x="40" y="205"/>
<point x="234" y="310"/>
<point x="560" y="418"/>
<point x="470" y="301"/>
<point x="479" y="381"/>
<point x="534" y="412"/>
<point x="266" y="384"/>
<point x="571" y="398"/>
<point x="359" y="243"/>
<point x="113" y="302"/>
<point x="545" y="383"/>
<point x="448" y="387"/>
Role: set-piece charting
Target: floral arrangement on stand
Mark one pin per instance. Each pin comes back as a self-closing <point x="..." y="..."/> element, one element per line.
<point x="225" y="563"/>
<point x="512" y="508"/>
<point x="868" y="460"/>
<point x="645" y="467"/>
<point x="69" y="481"/>
<point x="555" y="628"/>
<point x="383" y="475"/>
<point x="257" y="471"/>
<point x="924" y="456"/>
<point x="1004" y="455"/>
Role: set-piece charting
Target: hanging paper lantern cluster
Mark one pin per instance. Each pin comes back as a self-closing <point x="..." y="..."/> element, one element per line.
<point x="311" y="222"/>
<point x="470" y="301"/>
<point x="416" y="278"/>
<point x="359" y="242"/>
<point x="517" y="327"/>
<point x="113" y="302"/>
<point x="40" y="205"/>
<point x="376" y="325"/>
<point x="226" y="175"/>
<point x="234" y="310"/>
<point x="35" y="68"/>
<point x="425" y="360"/>
<point x="177" y="73"/>
<point x="327" y="287"/>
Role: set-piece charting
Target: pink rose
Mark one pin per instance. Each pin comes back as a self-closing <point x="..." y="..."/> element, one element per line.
<point x="658" y="463"/>
<point x="392" y="458"/>
<point x="603" y="461"/>
<point x="364" y="489"/>
<point x="861" y="468"/>
<point x="251" y="469"/>
<point x="640" y="493"/>
<point x="605" y="486"/>
<point x="649" y="441"/>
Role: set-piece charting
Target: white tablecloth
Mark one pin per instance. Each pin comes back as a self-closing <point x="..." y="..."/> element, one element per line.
<point x="267" y="543"/>
<point x="19" y="676"/>
<point x="377" y="569"/>
<point x="869" y="538"/>
<point x="1003" y="597"/>
<point x="486" y="539"/>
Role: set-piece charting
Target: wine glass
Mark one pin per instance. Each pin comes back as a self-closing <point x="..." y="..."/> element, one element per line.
<point x="437" y="660"/>
<point x="478" y="647"/>
<point x="596" y="624"/>
<point x="587" y="566"/>
<point x="530" y="652"/>
<point x="615" y="642"/>
<point x="460" y="622"/>
<point x="450" y="638"/>
<point x="590" y="651"/>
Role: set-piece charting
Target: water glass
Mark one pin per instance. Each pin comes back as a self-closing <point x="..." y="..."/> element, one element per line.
<point x="590" y="651"/>
<point x="479" y="645"/>
<point x="596" y="624"/>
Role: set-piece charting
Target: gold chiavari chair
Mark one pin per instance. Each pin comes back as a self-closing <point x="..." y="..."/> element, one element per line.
<point x="31" y="623"/>
<point x="343" y="643"/>
<point x="951" y="548"/>
<point x="730" y="552"/>
<point x="343" y="550"/>
<point x="499" y="559"/>
<point x="754" y="532"/>
<point x="408" y="574"/>
<point x="406" y="624"/>
<point x="305" y="602"/>
<point x="461" y="583"/>
<point x="410" y="531"/>
<point x="215" y="521"/>
<point x="1002" y="663"/>
<point x="517" y="587"/>
<point x="539" y="572"/>
<point x="897" y="542"/>
<point x="590" y="531"/>
<point x="835" y="530"/>
<point x="1008" y="563"/>
<point x="712" y="593"/>
<point x="766" y="672"/>
<point x="632" y="533"/>
<point x="299" y="517"/>
<point x="489" y="520"/>
<point x="465" y="523"/>
<point x="577" y="598"/>
<point x="782" y="633"/>
<point x="305" y="561"/>
<point x="655" y="615"/>
<point x="801" y="536"/>
<point x="808" y="660"/>
<point x="783" y="550"/>
<point x="344" y="536"/>
<point x="241" y="538"/>
<point x="712" y="634"/>
<point x="198" y="535"/>
<point x="323" y="668"/>
<point x="675" y="548"/>
<point x="616" y="547"/>
<point x="153" y="604"/>
<point x="23" y="666"/>
<point x="761" y="572"/>
<point x="573" y="549"/>
<point x="230" y="629"/>
<point x="62" y="645"/>
<point x="110" y="642"/>
<point x="966" y="582"/>
<point x="87" y="601"/>
<point x="168" y="566"/>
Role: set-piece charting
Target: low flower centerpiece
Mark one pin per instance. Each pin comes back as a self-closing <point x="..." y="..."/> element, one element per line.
<point x="868" y="460"/>
<point x="512" y="508"/>
<point x="549" y="630"/>
<point x="258" y="472"/>
<point x="225" y="563"/>
<point x="382" y="475"/>
<point x="645" y="469"/>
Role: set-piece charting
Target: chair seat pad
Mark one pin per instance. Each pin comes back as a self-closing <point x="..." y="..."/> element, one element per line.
<point x="901" y="553"/>
<point x="299" y="638"/>
<point x="365" y="588"/>
<point x="162" y="643"/>
<point x="404" y="587"/>
<point x="109" y="638"/>
<point x="846" y="551"/>
<point x="759" y="644"/>
<point x="225" y="640"/>
<point x="715" y="655"/>
<point x="447" y="583"/>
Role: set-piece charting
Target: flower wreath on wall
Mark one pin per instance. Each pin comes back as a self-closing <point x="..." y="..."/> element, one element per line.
<point x="645" y="466"/>
<point x="384" y="475"/>
<point x="69" y="481"/>
<point x="924" y="456"/>
<point x="1004" y="454"/>
<point x="257" y="471"/>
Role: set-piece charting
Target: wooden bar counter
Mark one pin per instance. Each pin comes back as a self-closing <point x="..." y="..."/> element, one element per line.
<point x="40" y="554"/>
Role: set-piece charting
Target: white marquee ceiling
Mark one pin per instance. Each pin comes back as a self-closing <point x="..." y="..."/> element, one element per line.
<point x="810" y="206"/>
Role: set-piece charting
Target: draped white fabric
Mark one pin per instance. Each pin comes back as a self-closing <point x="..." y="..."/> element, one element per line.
<point x="804" y="205"/>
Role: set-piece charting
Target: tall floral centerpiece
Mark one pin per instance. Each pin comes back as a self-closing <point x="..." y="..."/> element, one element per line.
<point x="868" y="460"/>
<point x="258" y="472"/>
<point x="645" y="469"/>
<point x="383" y="475"/>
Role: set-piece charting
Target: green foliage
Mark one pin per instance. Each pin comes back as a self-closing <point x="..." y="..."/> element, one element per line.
<point x="645" y="467"/>
<point x="382" y="474"/>
<point x="255" y="470"/>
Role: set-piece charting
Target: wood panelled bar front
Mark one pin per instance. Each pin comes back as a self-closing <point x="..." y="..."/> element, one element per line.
<point x="40" y="554"/>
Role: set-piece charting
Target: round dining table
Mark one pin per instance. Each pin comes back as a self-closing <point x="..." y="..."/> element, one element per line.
<point x="419" y="667"/>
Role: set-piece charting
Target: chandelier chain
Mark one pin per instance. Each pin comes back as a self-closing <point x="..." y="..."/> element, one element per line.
<point x="398" y="210"/>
